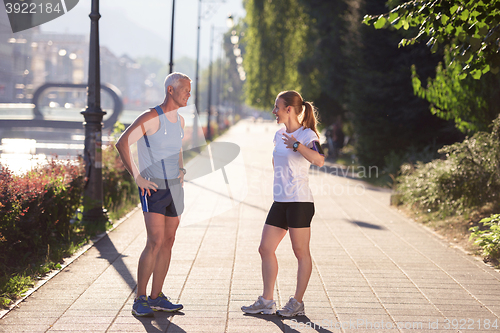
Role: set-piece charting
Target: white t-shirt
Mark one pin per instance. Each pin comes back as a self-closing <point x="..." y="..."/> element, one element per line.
<point x="291" y="169"/>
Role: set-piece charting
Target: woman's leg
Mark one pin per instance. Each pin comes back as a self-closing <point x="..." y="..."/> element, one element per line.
<point x="164" y="255"/>
<point x="271" y="237"/>
<point x="300" y="243"/>
<point x="155" y="228"/>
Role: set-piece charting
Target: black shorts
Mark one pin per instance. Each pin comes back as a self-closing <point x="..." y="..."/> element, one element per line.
<point x="167" y="200"/>
<point x="291" y="214"/>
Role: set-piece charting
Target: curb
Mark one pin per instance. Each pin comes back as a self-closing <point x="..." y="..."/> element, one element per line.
<point x="67" y="261"/>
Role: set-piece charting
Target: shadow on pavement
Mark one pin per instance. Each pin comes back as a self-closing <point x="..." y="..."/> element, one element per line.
<point x="225" y="195"/>
<point x="108" y="251"/>
<point x="368" y="225"/>
<point x="161" y="322"/>
<point x="297" y="324"/>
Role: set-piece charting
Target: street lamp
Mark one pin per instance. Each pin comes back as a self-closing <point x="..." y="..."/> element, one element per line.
<point x="93" y="212"/>
<point x="196" y="104"/>
<point x="209" y="110"/>
<point x="171" y="64"/>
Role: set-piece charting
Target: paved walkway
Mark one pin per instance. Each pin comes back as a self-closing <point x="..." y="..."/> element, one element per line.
<point x="373" y="269"/>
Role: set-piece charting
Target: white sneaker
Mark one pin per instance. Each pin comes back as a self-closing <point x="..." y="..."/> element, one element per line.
<point x="261" y="305"/>
<point x="292" y="308"/>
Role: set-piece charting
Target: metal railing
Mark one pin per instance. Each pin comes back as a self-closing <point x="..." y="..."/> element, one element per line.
<point x="40" y="121"/>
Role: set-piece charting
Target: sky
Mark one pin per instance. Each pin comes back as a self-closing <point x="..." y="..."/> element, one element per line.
<point x="143" y="27"/>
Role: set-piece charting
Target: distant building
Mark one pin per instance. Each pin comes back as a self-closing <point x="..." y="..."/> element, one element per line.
<point x="15" y="63"/>
<point x="32" y="58"/>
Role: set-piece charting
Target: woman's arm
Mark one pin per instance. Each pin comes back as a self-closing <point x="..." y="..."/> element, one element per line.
<point x="309" y="154"/>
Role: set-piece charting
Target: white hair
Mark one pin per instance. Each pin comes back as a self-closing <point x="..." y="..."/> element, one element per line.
<point x="173" y="80"/>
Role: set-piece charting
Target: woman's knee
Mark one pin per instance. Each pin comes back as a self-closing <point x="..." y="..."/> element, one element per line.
<point x="265" y="250"/>
<point x="301" y="252"/>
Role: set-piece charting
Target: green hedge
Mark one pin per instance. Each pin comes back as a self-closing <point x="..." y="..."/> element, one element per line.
<point x="35" y="222"/>
<point x="468" y="176"/>
<point x="39" y="219"/>
<point x="36" y="209"/>
<point x="488" y="237"/>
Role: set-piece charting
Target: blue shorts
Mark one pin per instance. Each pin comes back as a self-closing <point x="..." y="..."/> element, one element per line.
<point x="167" y="200"/>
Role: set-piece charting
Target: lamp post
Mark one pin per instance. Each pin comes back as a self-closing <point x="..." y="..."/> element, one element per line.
<point x="195" y="120"/>
<point x="196" y="102"/>
<point x="209" y="111"/>
<point x="171" y="64"/>
<point x="93" y="194"/>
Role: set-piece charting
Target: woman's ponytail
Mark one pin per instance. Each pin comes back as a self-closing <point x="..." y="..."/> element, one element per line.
<point x="310" y="119"/>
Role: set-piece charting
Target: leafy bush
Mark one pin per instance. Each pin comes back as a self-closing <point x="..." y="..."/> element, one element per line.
<point x="35" y="213"/>
<point x="35" y="209"/>
<point x="488" y="239"/>
<point x="468" y="177"/>
<point x="38" y="225"/>
<point x="120" y="191"/>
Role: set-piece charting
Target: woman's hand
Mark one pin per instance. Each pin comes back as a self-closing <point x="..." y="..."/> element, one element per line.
<point x="145" y="185"/>
<point x="289" y="140"/>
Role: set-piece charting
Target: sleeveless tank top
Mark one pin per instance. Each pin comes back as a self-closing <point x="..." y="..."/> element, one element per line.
<point x="159" y="152"/>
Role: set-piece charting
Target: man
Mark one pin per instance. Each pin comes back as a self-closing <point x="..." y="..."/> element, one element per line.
<point x="160" y="178"/>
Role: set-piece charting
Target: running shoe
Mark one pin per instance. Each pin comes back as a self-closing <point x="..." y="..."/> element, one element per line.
<point x="141" y="307"/>
<point x="162" y="303"/>
<point x="292" y="308"/>
<point x="261" y="305"/>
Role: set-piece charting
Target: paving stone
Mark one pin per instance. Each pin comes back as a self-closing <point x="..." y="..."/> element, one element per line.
<point x="370" y="263"/>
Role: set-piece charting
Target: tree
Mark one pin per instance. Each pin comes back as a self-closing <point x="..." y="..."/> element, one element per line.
<point x="472" y="104"/>
<point x="276" y="41"/>
<point x="346" y="68"/>
<point x="466" y="88"/>
<point x="470" y="28"/>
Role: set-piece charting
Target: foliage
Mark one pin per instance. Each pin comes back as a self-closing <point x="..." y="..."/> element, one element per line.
<point x="14" y="286"/>
<point x="276" y="40"/>
<point x="470" y="27"/>
<point x="488" y="239"/>
<point x="38" y="224"/>
<point x="466" y="88"/>
<point x="120" y="191"/>
<point x="472" y="104"/>
<point x="469" y="176"/>
<point x="35" y="220"/>
<point x="325" y="68"/>
<point x="381" y="102"/>
<point x="35" y="209"/>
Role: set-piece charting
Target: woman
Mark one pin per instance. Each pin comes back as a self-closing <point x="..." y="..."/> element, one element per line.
<point x="296" y="146"/>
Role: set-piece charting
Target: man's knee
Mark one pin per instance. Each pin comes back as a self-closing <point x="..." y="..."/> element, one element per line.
<point x="168" y="242"/>
<point x="154" y="244"/>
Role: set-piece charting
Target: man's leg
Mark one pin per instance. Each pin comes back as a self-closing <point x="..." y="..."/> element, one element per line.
<point x="155" y="227"/>
<point x="164" y="254"/>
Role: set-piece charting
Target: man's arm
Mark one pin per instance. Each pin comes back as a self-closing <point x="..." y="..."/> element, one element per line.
<point x="181" y="158"/>
<point x="145" y="123"/>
